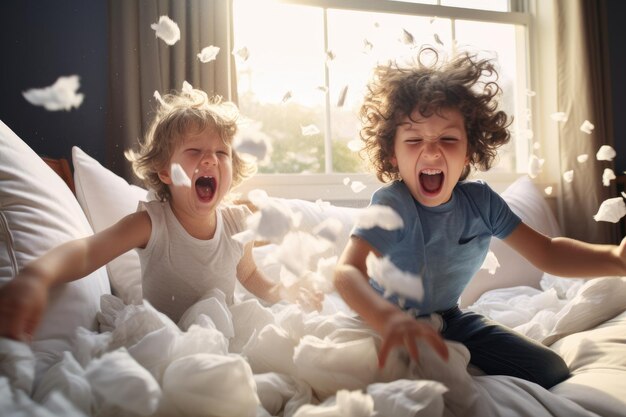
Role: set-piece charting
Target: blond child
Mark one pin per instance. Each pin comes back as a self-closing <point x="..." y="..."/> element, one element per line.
<point x="425" y="126"/>
<point x="183" y="237"/>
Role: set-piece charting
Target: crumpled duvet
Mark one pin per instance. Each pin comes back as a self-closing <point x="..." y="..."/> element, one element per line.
<point x="250" y="360"/>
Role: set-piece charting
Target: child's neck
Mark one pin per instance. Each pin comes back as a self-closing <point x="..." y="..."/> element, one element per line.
<point x="202" y="228"/>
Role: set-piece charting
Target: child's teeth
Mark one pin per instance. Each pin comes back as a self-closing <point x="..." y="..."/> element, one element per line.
<point x="431" y="171"/>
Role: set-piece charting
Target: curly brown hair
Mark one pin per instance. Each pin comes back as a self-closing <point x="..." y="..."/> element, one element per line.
<point x="429" y="85"/>
<point x="178" y="115"/>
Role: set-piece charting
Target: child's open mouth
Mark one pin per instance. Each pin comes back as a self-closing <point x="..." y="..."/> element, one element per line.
<point x="431" y="180"/>
<point x="205" y="188"/>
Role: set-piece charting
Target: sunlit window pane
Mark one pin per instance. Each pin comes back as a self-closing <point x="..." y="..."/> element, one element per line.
<point x="300" y="89"/>
<point x="279" y="84"/>
<point x="372" y="38"/>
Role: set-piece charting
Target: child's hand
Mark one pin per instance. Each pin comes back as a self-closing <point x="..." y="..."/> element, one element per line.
<point x="310" y="300"/>
<point x="402" y="330"/>
<point x="22" y="303"/>
<point x="306" y="298"/>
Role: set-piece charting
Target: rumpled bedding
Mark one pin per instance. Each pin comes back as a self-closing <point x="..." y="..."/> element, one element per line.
<point x="251" y="360"/>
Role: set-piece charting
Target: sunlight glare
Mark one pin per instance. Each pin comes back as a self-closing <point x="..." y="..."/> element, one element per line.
<point x="279" y="62"/>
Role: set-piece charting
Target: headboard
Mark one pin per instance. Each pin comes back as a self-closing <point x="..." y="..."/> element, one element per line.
<point x="62" y="167"/>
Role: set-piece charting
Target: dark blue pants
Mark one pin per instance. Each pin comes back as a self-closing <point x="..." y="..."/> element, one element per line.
<point x="498" y="350"/>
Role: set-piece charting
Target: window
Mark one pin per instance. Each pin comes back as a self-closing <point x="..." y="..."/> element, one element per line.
<point x="302" y="66"/>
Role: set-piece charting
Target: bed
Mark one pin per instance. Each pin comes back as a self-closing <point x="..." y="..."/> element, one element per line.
<point x="101" y="351"/>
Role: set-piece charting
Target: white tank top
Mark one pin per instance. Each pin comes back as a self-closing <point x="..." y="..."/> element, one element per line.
<point x="178" y="269"/>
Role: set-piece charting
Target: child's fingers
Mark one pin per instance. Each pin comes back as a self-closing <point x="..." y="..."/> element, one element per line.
<point x="311" y="299"/>
<point x="385" y="348"/>
<point x="14" y="323"/>
<point x="318" y="300"/>
<point x="435" y="340"/>
<point x="305" y="304"/>
<point x="411" y="346"/>
<point x="32" y="321"/>
<point x="22" y="313"/>
<point x="409" y="341"/>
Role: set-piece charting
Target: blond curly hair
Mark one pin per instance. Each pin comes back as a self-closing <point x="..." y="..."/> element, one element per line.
<point x="178" y="115"/>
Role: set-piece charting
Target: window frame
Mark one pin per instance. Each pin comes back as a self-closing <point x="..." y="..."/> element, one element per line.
<point x="330" y="186"/>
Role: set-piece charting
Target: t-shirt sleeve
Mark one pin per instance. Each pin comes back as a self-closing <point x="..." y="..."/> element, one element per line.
<point x="503" y="220"/>
<point x="381" y="239"/>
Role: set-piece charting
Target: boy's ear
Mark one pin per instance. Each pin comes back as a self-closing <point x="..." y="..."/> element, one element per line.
<point x="165" y="177"/>
<point x="394" y="161"/>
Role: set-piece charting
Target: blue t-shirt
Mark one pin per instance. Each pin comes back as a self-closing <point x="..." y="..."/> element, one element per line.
<point x="445" y="245"/>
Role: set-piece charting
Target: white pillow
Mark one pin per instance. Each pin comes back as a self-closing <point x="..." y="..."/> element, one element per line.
<point x="529" y="204"/>
<point x="313" y="214"/>
<point x="597" y="360"/>
<point x="38" y="212"/>
<point x="596" y="301"/>
<point x="106" y="198"/>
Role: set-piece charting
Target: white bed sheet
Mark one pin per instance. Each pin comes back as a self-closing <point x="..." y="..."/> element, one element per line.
<point x="281" y="361"/>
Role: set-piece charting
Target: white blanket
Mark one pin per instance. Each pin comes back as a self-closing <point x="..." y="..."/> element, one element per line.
<point x="250" y="360"/>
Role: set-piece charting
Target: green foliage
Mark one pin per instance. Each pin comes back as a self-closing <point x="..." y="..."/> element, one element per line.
<point x="293" y="152"/>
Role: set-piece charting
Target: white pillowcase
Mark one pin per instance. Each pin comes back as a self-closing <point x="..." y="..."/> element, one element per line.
<point x="597" y="301"/>
<point x="313" y="214"/>
<point x="38" y="212"/>
<point x="106" y="198"/>
<point x="597" y="360"/>
<point x="529" y="204"/>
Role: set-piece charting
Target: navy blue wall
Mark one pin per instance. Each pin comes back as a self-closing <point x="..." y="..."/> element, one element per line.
<point x="40" y="41"/>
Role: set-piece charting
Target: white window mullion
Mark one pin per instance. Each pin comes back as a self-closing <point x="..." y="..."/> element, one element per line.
<point x="328" y="145"/>
<point x="523" y="102"/>
<point x="417" y="9"/>
<point x="453" y="35"/>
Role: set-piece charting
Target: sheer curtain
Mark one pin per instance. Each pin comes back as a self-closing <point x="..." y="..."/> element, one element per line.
<point x="583" y="92"/>
<point x="140" y="63"/>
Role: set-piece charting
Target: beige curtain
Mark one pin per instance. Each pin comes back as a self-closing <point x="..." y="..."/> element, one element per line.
<point x="140" y="63"/>
<point x="583" y="92"/>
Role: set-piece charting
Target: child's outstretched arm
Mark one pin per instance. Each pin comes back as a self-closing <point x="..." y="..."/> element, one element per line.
<point x="257" y="283"/>
<point x="24" y="298"/>
<point x="568" y="257"/>
<point x="396" y="327"/>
